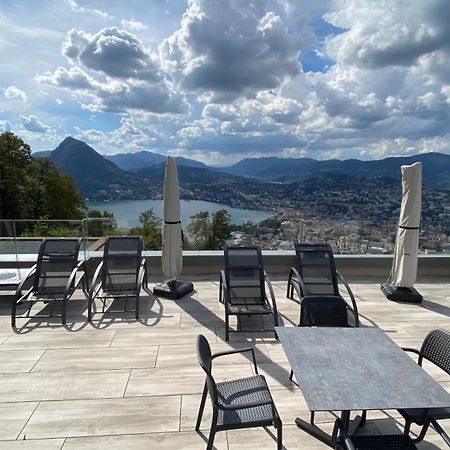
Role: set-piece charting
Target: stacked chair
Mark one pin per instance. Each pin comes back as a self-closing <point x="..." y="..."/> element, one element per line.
<point x="54" y="277"/>
<point x="243" y="286"/>
<point x="315" y="275"/>
<point x="121" y="274"/>
<point x="242" y="403"/>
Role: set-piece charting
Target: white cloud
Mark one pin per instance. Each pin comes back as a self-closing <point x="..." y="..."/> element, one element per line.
<point x="81" y="9"/>
<point x="33" y="124"/>
<point x="5" y="125"/>
<point x="231" y="48"/>
<point x="14" y="93"/>
<point x="134" y="25"/>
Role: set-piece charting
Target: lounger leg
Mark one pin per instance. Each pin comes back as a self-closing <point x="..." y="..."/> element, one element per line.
<point x="137" y="306"/>
<point x="279" y="428"/>
<point x="201" y="408"/>
<point x="227" y="325"/>
<point x="13" y="313"/>
<point x="89" y="309"/>
<point x="291" y="374"/>
<point x="63" y="314"/>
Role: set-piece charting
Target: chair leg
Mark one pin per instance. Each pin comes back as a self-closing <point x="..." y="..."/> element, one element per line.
<point x="212" y="432"/>
<point x="89" y="309"/>
<point x="201" y="408"/>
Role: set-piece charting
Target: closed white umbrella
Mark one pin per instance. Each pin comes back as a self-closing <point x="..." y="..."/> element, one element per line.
<point x="172" y="238"/>
<point x="404" y="267"/>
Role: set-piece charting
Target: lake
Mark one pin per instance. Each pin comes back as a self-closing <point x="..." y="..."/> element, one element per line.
<point x="127" y="212"/>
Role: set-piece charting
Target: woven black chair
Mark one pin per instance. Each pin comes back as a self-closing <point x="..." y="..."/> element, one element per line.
<point x="242" y="403"/>
<point x="55" y="276"/>
<point x="315" y="274"/>
<point x="243" y="286"/>
<point x="121" y="273"/>
<point x="342" y="440"/>
<point x="436" y="349"/>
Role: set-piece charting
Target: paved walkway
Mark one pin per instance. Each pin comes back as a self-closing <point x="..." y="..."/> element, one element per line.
<point x="124" y="384"/>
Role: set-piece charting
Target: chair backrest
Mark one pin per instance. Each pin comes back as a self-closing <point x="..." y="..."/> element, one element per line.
<point x="204" y="358"/>
<point x="244" y="273"/>
<point x="436" y="348"/>
<point x="326" y="311"/>
<point x="316" y="266"/>
<point x="56" y="260"/>
<point x="121" y="260"/>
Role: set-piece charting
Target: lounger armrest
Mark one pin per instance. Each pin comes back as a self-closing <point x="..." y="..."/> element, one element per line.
<point x="352" y="297"/>
<point x="272" y="295"/>
<point x="233" y="352"/>
<point x="296" y="280"/>
<point x="94" y="280"/>
<point x="245" y="405"/>
<point x="142" y="273"/>
<point x="225" y="291"/>
<point x="341" y="433"/>
<point x="19" y="289"/>
<point x="71" y="279"/>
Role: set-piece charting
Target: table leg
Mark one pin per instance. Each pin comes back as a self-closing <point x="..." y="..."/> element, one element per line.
<point x="315" y="431"/>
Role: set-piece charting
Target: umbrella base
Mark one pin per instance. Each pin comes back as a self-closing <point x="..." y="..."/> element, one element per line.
<point x="173" y="289"/>
<point x="401" y="294"/>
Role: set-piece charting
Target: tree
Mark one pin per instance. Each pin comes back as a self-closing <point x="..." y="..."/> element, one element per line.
<point x="15" y="158"/>
<point x="106" y="225"/>
<point x="150" y="229"/>
<point x="52" y="194"/>
<point x="210" y="234"/>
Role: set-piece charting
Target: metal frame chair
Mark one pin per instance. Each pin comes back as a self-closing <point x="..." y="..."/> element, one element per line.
<point x="242" y="403"/>
<point x="54" y="276"/>
<point x="122" y="272"/>
<point x="436" y="349"/>
<point x="243" y="284"/>
<point x="343" y="440"/>
<point x="315" y="275"/>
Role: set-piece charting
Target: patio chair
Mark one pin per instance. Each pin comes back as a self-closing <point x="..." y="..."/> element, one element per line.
<point x="121" y="273"/>
<point x="315" y="274"/>
<point x="436" y="349"/>
<point x="242" y="403"/>
<point x="55" y="276"/>
<point x="243" y="286"/>
<point x="342" y="440"/>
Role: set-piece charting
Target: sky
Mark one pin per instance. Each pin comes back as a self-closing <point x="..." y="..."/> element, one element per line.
<point x="222" y="80"/>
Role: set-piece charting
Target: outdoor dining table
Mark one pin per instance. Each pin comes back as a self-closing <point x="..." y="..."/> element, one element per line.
<point x="355" y="369"/>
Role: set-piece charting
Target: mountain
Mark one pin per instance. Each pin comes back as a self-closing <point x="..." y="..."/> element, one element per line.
<point x="96" y="176"/>
<point x="130" y="161"/>
<point x="186" y="174"/>
<point x="435" y="170"/>
<point x="41" y="154"/>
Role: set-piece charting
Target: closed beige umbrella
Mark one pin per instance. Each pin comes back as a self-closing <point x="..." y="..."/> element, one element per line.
<point x="172" y="238"/>
<point x="404" y="266"/>
<point x="172" y="241"/>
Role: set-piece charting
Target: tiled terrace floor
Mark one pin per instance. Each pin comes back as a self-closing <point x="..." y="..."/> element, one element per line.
<point x="122" y="384"/>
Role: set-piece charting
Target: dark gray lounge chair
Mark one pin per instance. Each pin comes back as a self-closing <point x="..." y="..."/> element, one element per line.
<point x="121" y="273"/>
<point x="315" y="274"/>
<point x="55" y="276"/>
<point x="436" y="349"/>
<point x="242" y="403"/>
<point x="243" y="286"/>
<point x="343" y="440"/>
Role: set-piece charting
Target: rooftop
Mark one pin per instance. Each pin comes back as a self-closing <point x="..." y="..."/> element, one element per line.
<point x="121" y="383"/>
